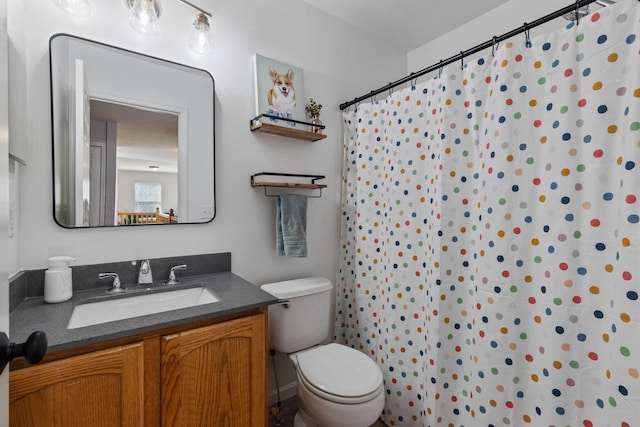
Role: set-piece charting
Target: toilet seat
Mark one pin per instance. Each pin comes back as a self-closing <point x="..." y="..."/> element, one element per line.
<point x="339" y="374"/>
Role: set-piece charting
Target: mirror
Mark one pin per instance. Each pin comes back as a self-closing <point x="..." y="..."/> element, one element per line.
<point x="133" y="137"/>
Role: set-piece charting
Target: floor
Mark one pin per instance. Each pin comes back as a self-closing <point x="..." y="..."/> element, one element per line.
<point x="288" y="411"/>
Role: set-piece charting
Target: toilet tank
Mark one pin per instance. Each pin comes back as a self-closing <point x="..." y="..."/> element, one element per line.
<point x="302" y="319"/>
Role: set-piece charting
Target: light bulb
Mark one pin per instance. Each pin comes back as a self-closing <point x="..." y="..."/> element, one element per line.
<point x="74" y="7"/>
<point x="200" y="40"/>
<point x="144" y="16"/>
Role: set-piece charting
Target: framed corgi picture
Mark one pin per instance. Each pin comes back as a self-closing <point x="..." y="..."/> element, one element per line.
<point x="279" y="91"/>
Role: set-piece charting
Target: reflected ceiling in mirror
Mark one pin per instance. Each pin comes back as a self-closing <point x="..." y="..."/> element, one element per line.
<point x="144" y="137"/>
<point x="123" y="121"/>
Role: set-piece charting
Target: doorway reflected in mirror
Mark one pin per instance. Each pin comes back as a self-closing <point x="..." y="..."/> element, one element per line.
<point x="146" y="164"/>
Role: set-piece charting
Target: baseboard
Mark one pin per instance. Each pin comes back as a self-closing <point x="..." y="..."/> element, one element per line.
<point x="287" y="391"/>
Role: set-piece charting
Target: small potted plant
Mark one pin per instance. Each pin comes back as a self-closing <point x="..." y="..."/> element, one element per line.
<point x="313" y="111"/>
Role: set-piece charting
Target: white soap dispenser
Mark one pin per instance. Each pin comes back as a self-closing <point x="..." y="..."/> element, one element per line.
<point x="58" y="286"/>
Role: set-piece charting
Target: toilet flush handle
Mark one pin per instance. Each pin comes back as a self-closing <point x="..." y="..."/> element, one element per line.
<point x="285" y="302"/>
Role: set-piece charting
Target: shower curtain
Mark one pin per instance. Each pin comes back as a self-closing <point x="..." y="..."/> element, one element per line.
<point x="490" y="234"/>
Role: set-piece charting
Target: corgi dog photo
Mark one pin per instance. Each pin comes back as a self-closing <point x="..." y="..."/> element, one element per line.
<point x="276" y="94"/>
<point x="282" y="96"/>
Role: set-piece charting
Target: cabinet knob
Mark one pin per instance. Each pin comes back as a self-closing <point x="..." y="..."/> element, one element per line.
<point x="33" y="349"/>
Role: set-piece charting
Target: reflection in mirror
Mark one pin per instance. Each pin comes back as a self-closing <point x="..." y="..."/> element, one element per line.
<point x="146" y="152"/>
<point x="133" y="138"/>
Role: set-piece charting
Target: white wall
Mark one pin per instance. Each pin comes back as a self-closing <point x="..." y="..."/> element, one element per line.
<point x="339" y="64"/>
<point x="500" y="20"/>
<point x="287" y="30"/>
<point x="17" y="100"/>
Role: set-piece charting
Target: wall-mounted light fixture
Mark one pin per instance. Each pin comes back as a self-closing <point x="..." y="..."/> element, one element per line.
<point x="144" y="19"/>
<point x="145" y="15"/>
<point x="200" y="40"/>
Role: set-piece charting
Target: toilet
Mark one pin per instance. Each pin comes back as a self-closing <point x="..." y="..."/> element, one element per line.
<point x="337" y="385"/>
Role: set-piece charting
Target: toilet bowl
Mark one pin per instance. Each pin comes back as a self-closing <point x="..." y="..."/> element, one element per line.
<point x="337" y="386"/>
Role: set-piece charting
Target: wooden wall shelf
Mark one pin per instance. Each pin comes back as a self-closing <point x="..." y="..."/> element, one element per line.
<point x="287" y="185"/>
<point x="303" y="185"/>
<point x="258" y="124"/>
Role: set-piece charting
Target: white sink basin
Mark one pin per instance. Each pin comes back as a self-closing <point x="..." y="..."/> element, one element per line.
<point x="111" y="310"/>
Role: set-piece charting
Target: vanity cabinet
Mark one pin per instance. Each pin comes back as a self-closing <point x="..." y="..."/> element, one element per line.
<point x="209" y="373"/>
<point x="102" y="388"/>
<point x="214" y="376"/>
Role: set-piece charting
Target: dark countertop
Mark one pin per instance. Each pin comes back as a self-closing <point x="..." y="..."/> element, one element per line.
<point x="33" y="314"/>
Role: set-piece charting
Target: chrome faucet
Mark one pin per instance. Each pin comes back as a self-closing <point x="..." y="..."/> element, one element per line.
<point x="115" y="288"/>
<point x="144" y="276"/>
<point x="172" y="275"/>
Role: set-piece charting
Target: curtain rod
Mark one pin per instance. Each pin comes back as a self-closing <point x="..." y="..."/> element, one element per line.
<point x="527" y="26"/>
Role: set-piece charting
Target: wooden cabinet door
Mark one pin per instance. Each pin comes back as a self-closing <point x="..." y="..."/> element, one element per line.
<point x="104" y="388"/>
<point x="216" y="375"/>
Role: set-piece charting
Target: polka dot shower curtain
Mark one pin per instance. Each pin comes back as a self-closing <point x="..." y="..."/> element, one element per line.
<point x="490" y="234"/>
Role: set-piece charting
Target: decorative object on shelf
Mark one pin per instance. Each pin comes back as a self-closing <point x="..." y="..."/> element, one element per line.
<point x="316" y="122"/>
<point x="277" y="88"/>
<point x="313" y="109"/>
<point x="313" y="185"/>
<point x="313" y="113"/>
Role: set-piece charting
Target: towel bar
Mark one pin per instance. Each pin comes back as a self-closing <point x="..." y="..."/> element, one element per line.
<point x="311" y="186"/>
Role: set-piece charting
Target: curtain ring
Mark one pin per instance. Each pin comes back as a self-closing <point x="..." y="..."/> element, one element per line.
<point x="461" y="61"/>
<point x="527" y="38"/>
<point x="440" y="69"/>
<point x="577" y="12"/>
<point x="494" y="46"/>
<point x="413" y="80"/>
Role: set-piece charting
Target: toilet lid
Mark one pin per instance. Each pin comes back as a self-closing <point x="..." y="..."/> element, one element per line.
<point x="340" y="370"/>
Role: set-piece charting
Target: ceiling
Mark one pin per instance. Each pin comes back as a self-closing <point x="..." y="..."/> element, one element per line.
<point x="407" y="24"/>
<point x="145" y="137"/>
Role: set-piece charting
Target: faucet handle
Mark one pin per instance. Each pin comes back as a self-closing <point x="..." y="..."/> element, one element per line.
<point x="145" y="277"/>
<point x="116" y="288"/>
<point x="172" y="274"/>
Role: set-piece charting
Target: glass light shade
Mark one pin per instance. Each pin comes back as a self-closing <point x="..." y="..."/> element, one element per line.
<point x="144" y="16"/>
<point x="200" y="40"/>
<point x="74" y="7"/>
